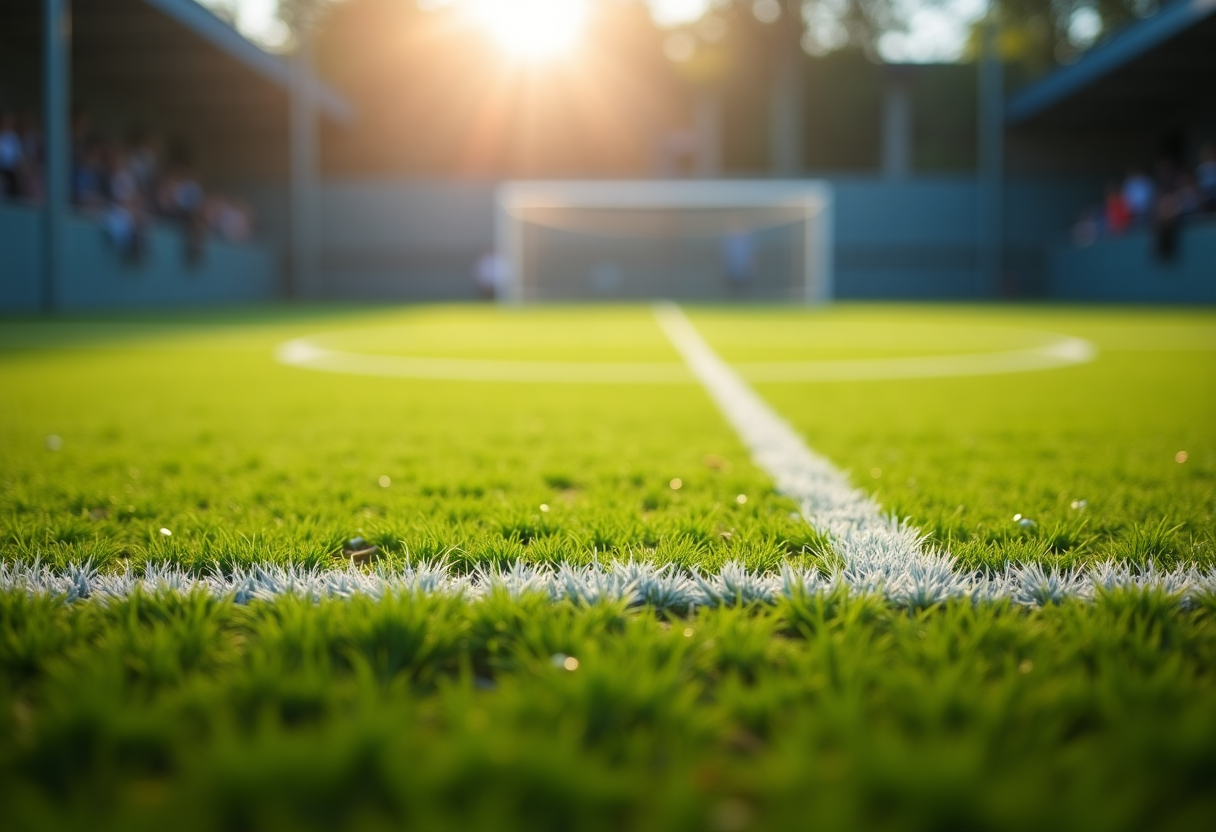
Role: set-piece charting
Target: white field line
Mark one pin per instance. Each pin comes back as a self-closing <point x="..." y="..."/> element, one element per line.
<point x="634" y="583"/>
<point x="880" y="553"/>
<point x="309" y="353"/>
<point x="1059" y="353"/>
<point x="875" y="547"/>
<point x="306" y="353"/>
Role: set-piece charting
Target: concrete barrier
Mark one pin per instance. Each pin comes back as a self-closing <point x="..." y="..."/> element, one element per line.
<point x="895" y="238"/>
<point x="1126" y="269"/>
<point x="96" y="276"/>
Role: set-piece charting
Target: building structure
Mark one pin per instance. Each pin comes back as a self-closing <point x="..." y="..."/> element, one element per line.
<point x="222" y="106"/>
<point x="1142" y="99"/>
<point x="399" y="203"/>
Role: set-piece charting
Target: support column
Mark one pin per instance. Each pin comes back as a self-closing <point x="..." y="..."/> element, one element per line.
<point x="896" y="124"/>
<point x="304" y="268"/>
<point x="991" y="191"/>
<point x="785" y="101"/>
<point x="707" y="123"/>
<point x="56" y="107"/>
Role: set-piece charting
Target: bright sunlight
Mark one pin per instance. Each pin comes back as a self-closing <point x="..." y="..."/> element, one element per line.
<point x="531" y="29"/>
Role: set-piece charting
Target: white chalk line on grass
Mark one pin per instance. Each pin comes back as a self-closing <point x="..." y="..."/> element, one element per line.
<point x="311" y="353"/>
<point x="875" y="547"/>
<point x="880" y="553"/>
<point x="1060" y="352"/>
<point x="306" y="353"/>
<point x="631" y="582"/>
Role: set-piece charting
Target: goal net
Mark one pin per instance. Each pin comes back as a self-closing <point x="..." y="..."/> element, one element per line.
<point x="682" y="240"/>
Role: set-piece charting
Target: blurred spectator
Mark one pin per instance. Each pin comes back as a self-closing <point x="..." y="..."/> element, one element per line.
<point x="12" y="156"/>
<point x="124" y="187"/>
<point x="82" y="138"/>
<point x="1164" y="205"/>
<point x="182" y="198"/>
<point x="738" y="255"/>
<point x="1205" y="177"/>
<point x="124" y="218"/>
<point x="1168" y="211"/>
<point x="30" y="128"/>
<point x="88" y="178"/>
<point x="229" y="218"/>
<point x="1188" y="195"/>
<point x="181" y="195"/>
<point x="1086" y="230"/>
<point x="1138" y="193"/>
<point x="145" y="164"/>
<point x="1118" y="214"/>
<point x="491" y="275"/>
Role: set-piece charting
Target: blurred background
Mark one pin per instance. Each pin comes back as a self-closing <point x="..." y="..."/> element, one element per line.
<point x="159" y="152"/>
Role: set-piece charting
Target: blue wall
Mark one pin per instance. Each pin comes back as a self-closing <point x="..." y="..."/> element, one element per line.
<point x="404" y="239"/>
<point x="97" y="277"/>
<point x="915" y="238"/>
<point x="1124" y="268"/>
<point x="20" y="258"/>
<point x="910" y="238"/>
<point x="906" y="238"/>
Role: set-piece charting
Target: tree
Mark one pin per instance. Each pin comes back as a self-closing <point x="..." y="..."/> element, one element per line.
<point x="302" y="17"/>
<point x="1038" y="35"/>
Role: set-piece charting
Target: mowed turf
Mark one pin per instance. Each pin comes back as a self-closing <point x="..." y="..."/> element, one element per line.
<point x="1114" y="459"/>
<point x="246" y="460"/>
<point x="438" y="713"/>
<point x="192" y="426"/>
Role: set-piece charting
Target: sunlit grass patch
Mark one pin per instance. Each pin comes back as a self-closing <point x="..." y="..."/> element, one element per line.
<point x="1101" y="458"/>
<point x="179" y="447"/>
<point x="117" y="428"/>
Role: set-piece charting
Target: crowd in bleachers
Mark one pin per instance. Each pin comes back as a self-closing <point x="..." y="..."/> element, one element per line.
<point x="125" y="186"/>
<point x="1161" y="203"/>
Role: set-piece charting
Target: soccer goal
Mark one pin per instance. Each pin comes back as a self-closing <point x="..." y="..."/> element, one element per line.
<point x="682" y="240"/>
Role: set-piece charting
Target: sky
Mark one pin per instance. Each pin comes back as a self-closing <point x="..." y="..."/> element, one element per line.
<point x="255" y="19"/>
<point x="937" y="31"/>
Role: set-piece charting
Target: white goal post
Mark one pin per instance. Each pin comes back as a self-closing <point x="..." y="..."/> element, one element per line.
<point x="683" y="240"/>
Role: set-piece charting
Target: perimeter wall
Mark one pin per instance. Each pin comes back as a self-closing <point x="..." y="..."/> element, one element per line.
<point x="897" y="238"/>
<point x="907" y="238"/>
<point x="96" y="277"/>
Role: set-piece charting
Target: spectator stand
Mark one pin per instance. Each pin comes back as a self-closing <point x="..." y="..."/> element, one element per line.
<point x="155" y="144"/>
<point x="1136" y="110"/>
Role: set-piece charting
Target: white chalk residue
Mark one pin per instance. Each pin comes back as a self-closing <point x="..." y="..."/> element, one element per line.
<point x="631" y="582"/>
<point x="880" y="555"/>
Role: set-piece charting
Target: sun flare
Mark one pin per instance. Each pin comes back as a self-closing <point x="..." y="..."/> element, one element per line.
<point x="531" y="29"/>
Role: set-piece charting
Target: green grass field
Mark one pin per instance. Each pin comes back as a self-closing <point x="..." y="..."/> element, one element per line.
<point x="834" y="708"/>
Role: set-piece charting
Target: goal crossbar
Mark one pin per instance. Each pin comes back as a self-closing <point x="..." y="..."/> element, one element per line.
<point x="808" y="200"/>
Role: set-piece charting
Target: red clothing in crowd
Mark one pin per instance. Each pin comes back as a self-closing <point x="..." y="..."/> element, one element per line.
<point x="1118" y="214"/>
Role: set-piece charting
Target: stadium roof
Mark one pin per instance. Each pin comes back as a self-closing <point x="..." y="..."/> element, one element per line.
<point x="1162" y="67"/>
<point x="219" y="33"/>
<point x="168" y="54"/>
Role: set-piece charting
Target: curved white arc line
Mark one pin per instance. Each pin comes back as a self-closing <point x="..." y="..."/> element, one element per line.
<point x="302" y="353"/>
<point x="1062" y="353"/>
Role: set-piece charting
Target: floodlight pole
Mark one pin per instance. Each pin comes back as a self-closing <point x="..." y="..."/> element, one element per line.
<point x="707" y="118"/>
<point x="785" y="99"/>
<point x="896" y="122"/>
<point x="991" y="191"/>
<point x="56" y="106"/>
<point x="305" y="274"/>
